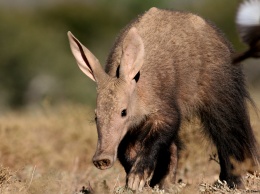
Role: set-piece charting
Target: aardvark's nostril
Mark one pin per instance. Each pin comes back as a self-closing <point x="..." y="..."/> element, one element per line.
<point x="102" y="164"/>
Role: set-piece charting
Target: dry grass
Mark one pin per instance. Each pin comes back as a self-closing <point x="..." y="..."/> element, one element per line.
<point x="49" y="150"/>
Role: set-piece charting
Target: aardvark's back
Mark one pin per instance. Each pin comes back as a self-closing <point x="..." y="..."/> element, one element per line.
<point x="182" y="50"/>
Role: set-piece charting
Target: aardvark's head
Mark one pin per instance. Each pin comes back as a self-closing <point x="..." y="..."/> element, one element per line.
<point x="116" y="96"/>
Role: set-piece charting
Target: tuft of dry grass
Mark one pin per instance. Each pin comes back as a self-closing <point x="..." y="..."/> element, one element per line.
<point x="48" y="149"/>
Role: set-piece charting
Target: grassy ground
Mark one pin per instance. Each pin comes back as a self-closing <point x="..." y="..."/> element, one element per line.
<point x="49" y="150"/>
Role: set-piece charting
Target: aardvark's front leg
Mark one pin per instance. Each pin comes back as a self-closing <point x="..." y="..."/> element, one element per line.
<point x="158" y="137"/>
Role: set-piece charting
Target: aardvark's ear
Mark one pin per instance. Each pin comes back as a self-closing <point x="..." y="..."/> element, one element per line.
<point x="86" y="61"/>
<point x="133" y="55"/>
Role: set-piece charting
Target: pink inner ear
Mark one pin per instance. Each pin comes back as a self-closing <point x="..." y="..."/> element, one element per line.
<point x="78" y="51"/>
<point x="86" y="61"/>
<point x="83" y="55"/>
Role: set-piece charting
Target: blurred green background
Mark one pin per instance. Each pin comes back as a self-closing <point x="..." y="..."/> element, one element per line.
<point x="36" y="63"/>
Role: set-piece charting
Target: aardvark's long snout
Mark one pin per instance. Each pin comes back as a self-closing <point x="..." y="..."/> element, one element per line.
<point x="107" y="145"/>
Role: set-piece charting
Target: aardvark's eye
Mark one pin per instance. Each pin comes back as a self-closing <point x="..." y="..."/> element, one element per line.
<point x="123" y="113"/>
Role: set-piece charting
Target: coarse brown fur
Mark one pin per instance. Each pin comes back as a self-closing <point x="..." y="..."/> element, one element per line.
<point x="184" y="70"/>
